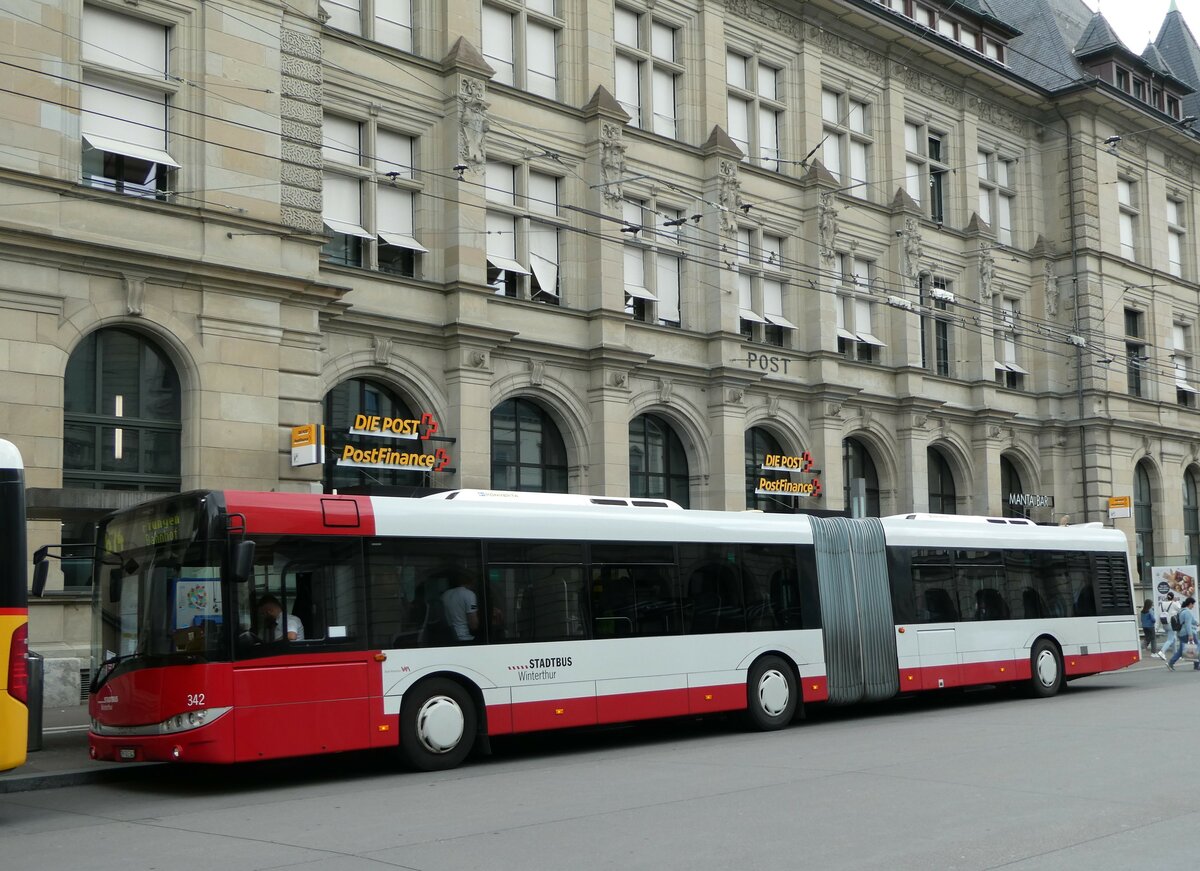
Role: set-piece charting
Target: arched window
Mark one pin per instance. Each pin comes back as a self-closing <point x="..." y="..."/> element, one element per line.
<point x="121" y="428"/>
<point x="362" y="396"/>
<point x="857" y="463"/>
<point x="658" y="466"/>
<point x="527" y="450"/>
<point x="121" y="415"/>
<point x="1191" y="516"/>
<point x="1010" y="482"/>
<point x="759" y="443"/>
<point x="1143" y="520"/>
<point x="942" y="497"/>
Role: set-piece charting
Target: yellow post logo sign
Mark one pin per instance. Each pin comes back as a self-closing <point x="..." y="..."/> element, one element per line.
<point x="1120" y="506"/>
<point x="308" y="444"/>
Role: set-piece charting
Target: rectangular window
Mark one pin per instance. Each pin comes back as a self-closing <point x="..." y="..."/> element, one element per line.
<point x="926" y="170"/>
<point x="1009" y="371"/>
<point x="1175" y="237"/>
<point x="1127" y="217"/>
<point x="1135" y="350"/>
<point x="647" y="70"/>
<point x="520" y="41"/>
<point x="936" y="335"/>
<point x="498" y="43"/>
<point x="123" y="104"/>
<point x="523" y="233"/>
<point x="654" y="263"/>
<point x="369" y="203"/>
<point x="1185" y="391"/>
<point x="997" y="194"/>
<point x="345" y="15"/>
<point x="847" y="143"/>
<point x="393" y="23"/>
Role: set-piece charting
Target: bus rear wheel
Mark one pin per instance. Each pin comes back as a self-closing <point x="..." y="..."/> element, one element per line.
<point x="1046" y="670"/>
<point x="437" y="725"/>
<point x="771" y="694"/>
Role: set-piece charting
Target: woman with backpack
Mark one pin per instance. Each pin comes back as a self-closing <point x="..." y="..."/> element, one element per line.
<point x="1168" y="616"/>
<point x="1187" y="632"/>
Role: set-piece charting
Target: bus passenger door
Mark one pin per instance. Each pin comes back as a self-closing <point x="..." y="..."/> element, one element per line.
<point x="311" y="693"/>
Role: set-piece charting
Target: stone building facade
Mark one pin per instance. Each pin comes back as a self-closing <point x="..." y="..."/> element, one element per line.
<point x="946" y="249"/>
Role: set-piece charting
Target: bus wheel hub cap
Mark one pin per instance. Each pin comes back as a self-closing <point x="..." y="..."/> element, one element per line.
<point x="440" y="724"/>
<point x="773" y="693"/>
<point x="1046" y="668"/>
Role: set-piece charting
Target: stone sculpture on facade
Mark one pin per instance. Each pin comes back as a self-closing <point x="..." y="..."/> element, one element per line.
<point x="472" y="122"/>
<point x="612" y="160"/>
<point x="729" y="190"/>
<point x="911" y="248"/>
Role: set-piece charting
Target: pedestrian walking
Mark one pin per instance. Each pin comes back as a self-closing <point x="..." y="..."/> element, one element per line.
<point x="1167" y="608"/>
<point x="1148" y="623"/>
<point x="1187" y="632"/>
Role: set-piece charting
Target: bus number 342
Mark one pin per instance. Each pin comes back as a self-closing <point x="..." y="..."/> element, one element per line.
<point x="195" y="700"/>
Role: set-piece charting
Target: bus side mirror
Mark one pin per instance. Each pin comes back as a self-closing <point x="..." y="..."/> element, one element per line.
<point x="243" y="561"/>
<point x="41" y="571"/>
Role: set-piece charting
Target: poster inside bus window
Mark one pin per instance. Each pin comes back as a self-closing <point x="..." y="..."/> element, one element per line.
<point x="197" y="602"/>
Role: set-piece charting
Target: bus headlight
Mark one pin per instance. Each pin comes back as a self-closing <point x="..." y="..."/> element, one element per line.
<point x="190" y="720"/>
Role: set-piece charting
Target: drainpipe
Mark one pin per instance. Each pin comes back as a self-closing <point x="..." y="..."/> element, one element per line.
<point x="1075" y="299"/>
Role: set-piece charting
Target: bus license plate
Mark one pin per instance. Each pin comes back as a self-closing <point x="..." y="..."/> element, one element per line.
<point x="128" y="754"/>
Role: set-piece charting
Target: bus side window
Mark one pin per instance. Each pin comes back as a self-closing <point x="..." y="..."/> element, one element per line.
<point x="772" y="592"/>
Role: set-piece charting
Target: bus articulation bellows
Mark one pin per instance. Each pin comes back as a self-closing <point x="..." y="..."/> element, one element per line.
<point x="14" y="611"/>
<point x="236" y="626"/>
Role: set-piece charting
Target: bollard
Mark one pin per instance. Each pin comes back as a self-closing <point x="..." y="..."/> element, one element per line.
<point x="37" y="679"/>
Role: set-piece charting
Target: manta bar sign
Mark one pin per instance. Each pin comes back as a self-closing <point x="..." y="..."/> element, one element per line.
<point x="308" y="444"/>
<point x="790" y="465"/>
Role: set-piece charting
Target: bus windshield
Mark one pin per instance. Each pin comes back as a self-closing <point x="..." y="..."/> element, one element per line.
<point x="158" y="591"/>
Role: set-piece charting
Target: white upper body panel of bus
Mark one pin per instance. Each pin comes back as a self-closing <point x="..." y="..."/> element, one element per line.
<point x="10" y="457"/>
<point x="533" y="516"/>
<point x="955" y="530"/>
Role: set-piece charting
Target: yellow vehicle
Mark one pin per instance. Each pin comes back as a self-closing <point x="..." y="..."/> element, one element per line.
<point x="14" y="611"/>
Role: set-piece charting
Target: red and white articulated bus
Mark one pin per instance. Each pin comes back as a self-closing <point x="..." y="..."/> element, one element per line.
<point x="236" y="626"/>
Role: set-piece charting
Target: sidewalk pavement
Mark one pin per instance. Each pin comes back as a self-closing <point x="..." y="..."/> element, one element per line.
<point x="63" y="759"/>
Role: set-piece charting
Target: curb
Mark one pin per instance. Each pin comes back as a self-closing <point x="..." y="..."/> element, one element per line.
<point x="74" y="777"/>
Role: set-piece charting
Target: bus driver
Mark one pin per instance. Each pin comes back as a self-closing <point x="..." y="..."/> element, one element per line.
<point x="274" y="627"/>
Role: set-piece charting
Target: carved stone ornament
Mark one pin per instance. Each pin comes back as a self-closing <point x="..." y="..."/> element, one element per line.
<point x="665" y="387"/>
<point x="735" y="395"/>
<point x="935" y="89"/>
<point x="997" y="116"/>
<point x="472" y="122"/>
<point x="987" y="271"/>
<point x="1178" y="164"/>
<point x="920" y="420"/>
<point x="612" y="160"/>
<point x="773" y="406"/>
<point x="827" y="226"/>
<point x="135" y="294"/>
<point x="993" y="432"/>
<point x="729" y="195"/>
<point x="753" y="10"/>
<point x="619" y="379"/>
<point x="478" y="358"/>
<point x="537" y="372"/>
<point x="383" y="350"/>
<point x="851" y="51"/>
<point x="1051" y="282"/>
<point x="833" y="409"/>
<point x="911" y="248"/>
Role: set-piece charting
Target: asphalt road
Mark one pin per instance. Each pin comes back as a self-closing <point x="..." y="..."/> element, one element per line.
<point x="1088" y="780"/>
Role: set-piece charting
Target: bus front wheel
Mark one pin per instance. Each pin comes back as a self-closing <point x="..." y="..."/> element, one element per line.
<point x="771" y="694"/>
<point x="1047" y="669"/>
<point x="437" y="725"/>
